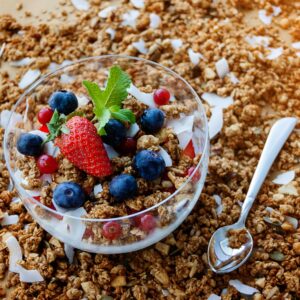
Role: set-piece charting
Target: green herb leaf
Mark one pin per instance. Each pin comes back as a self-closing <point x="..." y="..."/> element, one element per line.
<point x="107" y="102"/>
<point x="124" y="115"/>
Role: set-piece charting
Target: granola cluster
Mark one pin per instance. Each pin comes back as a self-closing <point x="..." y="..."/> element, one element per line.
<point x="268" y="89"/>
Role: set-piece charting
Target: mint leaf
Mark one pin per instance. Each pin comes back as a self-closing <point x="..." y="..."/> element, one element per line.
<point x="107" y="102"/>
<point x="103" y="119"/>
<point x="124" y="115"/>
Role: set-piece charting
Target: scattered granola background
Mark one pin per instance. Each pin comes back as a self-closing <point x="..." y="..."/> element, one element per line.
<point x="175" y="268"/>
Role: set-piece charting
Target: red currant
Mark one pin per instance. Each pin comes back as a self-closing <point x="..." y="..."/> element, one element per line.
<point x="111" y="230"/>
<point x="147" y="222"/>
<point x="47" y="164"/>
<point x="44" y="115"/>
<point x="128" y="146"/>
<point x="196" y="176"/>
<point x="44" y="128"/>
<point x="161" y="96"/>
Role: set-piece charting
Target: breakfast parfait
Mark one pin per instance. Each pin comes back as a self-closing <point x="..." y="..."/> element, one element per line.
<point x="114" y="151"/>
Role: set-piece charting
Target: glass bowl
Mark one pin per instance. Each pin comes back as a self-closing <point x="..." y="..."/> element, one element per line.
<point x="72" y="227"/>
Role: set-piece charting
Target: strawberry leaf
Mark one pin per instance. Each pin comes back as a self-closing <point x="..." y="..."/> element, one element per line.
<point x="56" y="126"/>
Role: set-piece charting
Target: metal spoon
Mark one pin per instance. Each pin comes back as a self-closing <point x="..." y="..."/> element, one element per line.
<point x="221" y="257"/>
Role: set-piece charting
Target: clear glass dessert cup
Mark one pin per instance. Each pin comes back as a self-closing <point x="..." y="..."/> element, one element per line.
<point x="72" y="227"/>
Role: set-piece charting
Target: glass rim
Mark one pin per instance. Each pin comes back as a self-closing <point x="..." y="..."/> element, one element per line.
<point x="90" y="58"/>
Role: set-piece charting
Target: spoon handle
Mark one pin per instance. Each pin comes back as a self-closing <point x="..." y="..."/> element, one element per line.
<point x="278" y="135"/>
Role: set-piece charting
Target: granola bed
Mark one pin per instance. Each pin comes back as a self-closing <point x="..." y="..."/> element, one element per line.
<point x="176" y="268"/>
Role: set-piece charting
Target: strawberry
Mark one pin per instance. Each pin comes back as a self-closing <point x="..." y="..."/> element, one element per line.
<point x="189" y="150"/>
<point x="84" y="148"/>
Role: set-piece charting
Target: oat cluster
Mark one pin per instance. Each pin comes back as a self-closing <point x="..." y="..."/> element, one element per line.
<point x="267" y="89"/>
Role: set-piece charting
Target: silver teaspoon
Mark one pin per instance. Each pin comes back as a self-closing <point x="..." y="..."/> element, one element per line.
<point x="221" y="257"/>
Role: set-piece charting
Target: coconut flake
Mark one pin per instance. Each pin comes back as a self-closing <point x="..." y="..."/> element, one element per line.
<point x="4" y="118"/>
<point x="15" y="252"/>
<point x="257" y="40"/>
<point x="222" y="67"/>
<point x="9" y="219"/>
<point x="219" y="208"/>
<point x="154" y="20"/>
<point x="81" y="4"/>
<point x="146" y="98"/>
<point x="194" y="56"/>
<point x="82" y="100"/>
<point x="266" y="19"/>
<point x="111" y="32"/>
<point x="138" y="3"/>
<point x="47" y="178"/>
<point x="97" y="189"/>
<point x="15" y="200"/>
<point x="111" y="152"/>
<point x="132" y="130"/>
<point x="243" y="288"/>
<point x="29" y="77"/>
<point x="296" y="45"/>
<point x="216" y="101"/>
<point x="22" y="62"/>
<point x="275" y="53"/>
<point x="184" y="124"/>
<point x="30" y="276"/>
<point x="2" y="49"/>
<point x="233" y="78"/>
<point x="140" y="46"/>
<point x="176" y="43"/>
<point x="288" y="189"/>
<point x="215" y="123"/>
<point x="66" y="79"/>
<point x="214" y="297"/>
<point x="69" y="251"/>
<point x="184" y="138"/>
<point x="284" y="178"/>
<point x="166" y="157"/>
<point x="129" y="18"/>
<point x="104" y="13"/>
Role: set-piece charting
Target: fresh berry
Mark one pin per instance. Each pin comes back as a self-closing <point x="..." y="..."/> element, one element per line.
<point x="63" y="101"/>
<point x="128" y="146"/>
<point x="147" y="222"/>
<point x="115" y="133"/>
<point x="84" y="148"/>
<point x="161" y="96"/>
<point x="44" y="115"/>
<point x="44" y="128"/>
<point x="122" y="187"/>
<point x="196" y="176"/>
<point x="47" y="164"/>
<point x="69" y="195"/>
<point x="111" y="230"/>
<point x="189" y="150"/>
<point x="152" y="120"/>
<point x="149" y="164"/>
<point x="30" y="144"/>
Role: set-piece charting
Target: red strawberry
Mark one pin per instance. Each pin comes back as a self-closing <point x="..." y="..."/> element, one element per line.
<point x="84" y="148"/>
<point x="189" y="150"/>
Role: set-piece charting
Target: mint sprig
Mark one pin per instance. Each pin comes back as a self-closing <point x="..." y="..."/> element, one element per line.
<point x="108" y="102"/>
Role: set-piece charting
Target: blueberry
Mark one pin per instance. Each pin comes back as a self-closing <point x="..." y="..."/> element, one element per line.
<point x="115" y="133"/>
<point x="69" y="195"/>
<point x="63" y="101"/>
<point x="30" y="144"/>
<point x="152" y="120"/>
<point x="122" y="187"/>
<point x="149" y="164"/>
